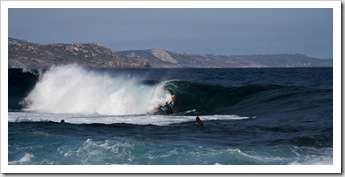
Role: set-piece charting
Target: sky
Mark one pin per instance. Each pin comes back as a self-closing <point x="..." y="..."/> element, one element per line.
<point x="222" y="31"/>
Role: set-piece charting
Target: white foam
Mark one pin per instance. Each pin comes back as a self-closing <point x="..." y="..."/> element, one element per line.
<point x="315" y="156"/>
<point x="24" y="160"/>
<point x="140" y="119"/>
<point x="73" y="89"/>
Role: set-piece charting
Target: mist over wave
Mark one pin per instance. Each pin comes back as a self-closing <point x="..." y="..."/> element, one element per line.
<point x="73" y="89"/>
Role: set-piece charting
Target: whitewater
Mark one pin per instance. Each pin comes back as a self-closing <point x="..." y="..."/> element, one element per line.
<point x="71" y="89"/>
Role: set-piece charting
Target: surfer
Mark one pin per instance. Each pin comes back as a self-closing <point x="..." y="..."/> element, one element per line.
<point x="198" y="121"/>
<point x="168" y="107"/>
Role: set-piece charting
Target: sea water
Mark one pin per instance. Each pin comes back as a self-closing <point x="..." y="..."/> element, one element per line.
<point x="271" y="116"/>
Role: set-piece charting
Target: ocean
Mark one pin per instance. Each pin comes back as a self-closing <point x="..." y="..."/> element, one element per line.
<point x="251" y="116"/>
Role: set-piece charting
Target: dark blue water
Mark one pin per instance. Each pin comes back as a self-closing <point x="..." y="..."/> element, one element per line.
<point x="251" y="116"/>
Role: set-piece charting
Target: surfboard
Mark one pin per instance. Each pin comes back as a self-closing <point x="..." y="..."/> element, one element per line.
<point x="163" y="108"/>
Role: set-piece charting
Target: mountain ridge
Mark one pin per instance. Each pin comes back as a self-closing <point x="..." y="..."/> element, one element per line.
<point x="24" y="54"/>
<point x="161" y="58"/>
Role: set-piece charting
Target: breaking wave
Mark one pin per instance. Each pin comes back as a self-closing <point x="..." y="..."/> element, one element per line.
<point x="73" y="89"/>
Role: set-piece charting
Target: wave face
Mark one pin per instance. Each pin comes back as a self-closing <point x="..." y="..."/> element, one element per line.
<point x="20" y="84"/>
<point x="250" y="100"/>
<point x="72" y="89"/>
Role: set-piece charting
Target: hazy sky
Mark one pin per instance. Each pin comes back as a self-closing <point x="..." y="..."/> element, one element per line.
<point x="215" y="31"/>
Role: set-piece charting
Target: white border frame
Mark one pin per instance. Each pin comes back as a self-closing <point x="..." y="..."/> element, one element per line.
<point x="335" y="168"/>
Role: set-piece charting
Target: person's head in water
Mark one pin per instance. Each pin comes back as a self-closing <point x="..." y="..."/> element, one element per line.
<point x="198" y="121"/>
<point x="62" y="121"/>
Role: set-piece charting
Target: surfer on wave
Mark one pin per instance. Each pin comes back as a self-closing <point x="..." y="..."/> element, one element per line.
<point x="168" y="107"/>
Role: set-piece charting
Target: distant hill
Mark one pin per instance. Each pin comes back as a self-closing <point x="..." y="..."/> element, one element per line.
<point x="23" y="54"/>
<point x="160" y="58"/>
<point x="30" y="55"/>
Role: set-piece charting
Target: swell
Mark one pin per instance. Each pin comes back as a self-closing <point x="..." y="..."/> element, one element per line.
<point x="230" y="132"/>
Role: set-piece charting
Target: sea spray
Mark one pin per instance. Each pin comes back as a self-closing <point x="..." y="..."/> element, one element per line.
<point x="73" y="89"/>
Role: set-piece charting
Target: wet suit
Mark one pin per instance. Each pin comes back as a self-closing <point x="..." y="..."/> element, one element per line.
<point x="170" y="107"/>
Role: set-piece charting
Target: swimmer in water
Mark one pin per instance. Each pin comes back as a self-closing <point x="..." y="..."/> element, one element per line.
<point x="198" y="121"/>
